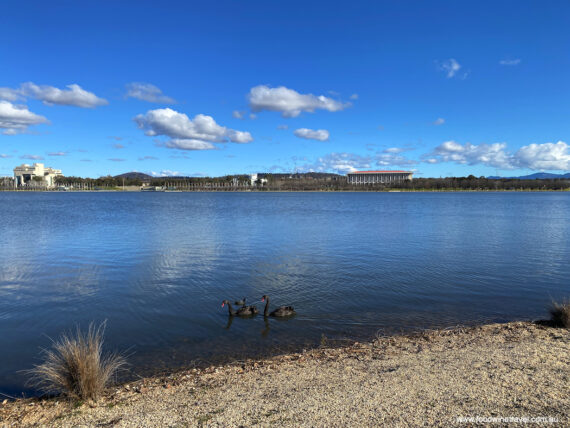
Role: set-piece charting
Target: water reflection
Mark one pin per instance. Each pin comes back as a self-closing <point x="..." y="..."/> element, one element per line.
<point x="156" y="266"/>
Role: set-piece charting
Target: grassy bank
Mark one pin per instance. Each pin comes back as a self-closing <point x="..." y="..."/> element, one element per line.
<point x="501" y="370"/>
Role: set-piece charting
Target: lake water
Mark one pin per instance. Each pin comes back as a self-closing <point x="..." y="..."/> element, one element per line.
<point x="157" y="266"/>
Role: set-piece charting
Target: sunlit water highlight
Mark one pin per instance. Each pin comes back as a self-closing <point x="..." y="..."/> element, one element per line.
<point x="158" y="265"/>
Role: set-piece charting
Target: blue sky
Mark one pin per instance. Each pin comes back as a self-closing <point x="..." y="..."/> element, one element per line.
<point x="441" y="87"/>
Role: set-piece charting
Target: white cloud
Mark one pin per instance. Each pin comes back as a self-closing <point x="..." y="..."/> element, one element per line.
<point x="487" y="154"/>
<point x="339" y="162"/>
<point x="241" y="137"/>
<point x="166" y="173"/>
<point x="354" y="97"/>
<point x="515" y="61"/>
<point x="5" y="156"/>
<point x="395" y="150"/>
<point x="57" y="154"/>
<point x="186" y="133"/>
<point x="450" y="67"/>
<point x="188" y="144"/>
<point x="438" y="121"/>
<point x="282" y="127"/>
<point x="252" y="116"/>
<point x="147" y="92"/>
<point x="290" y="102"/>
<point x="74" y="96"/>
<point x="546" y="156"/>
<point x="312" y="134"/>
<point x="16" y="119"/>
<point x="343" y="163"/>
<point x="238" y="114"/>
<point x="10" y="94"/>
<point x="388" y="159"/>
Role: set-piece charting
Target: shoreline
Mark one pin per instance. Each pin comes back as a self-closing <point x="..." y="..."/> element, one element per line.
<point x="301" y="191"/>
<point x="516" y="369"/>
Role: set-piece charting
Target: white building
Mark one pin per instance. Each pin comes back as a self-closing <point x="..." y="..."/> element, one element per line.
<point x="253" y="179"/>
<point x="24" y="175"/>
<point x="378" y="177"/>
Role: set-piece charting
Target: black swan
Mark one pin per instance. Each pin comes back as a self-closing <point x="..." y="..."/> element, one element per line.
<point x="240" y="302"/>
<point x="282" y="311"/>
<point x="244" y="311"/>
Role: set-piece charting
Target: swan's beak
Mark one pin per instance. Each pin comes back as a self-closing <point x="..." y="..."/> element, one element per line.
<point x="223" y="305"/>
<point x="262" y="299"/>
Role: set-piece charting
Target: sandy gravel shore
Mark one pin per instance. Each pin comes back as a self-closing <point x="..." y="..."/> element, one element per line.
<point x="513" y="370"/>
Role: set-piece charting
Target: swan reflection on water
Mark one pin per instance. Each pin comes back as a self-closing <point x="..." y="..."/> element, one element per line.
<point x="282" y="313"/>
<point x="266" y="328"/>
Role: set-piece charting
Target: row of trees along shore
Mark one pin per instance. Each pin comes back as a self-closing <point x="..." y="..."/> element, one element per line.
<point x="300" y="182"/>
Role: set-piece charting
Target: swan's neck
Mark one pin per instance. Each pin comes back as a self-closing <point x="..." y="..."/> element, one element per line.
<point x="266" y="311"/>
<point x="230" y="309"/>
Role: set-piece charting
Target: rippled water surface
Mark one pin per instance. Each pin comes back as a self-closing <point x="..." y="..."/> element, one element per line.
<point x="158" y="265"/>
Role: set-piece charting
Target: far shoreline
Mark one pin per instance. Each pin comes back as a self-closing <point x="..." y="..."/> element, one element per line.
<point x="298" y="191"/>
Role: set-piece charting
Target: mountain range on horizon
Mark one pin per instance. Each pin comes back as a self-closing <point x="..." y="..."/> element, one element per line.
<point x="535" y="176"/>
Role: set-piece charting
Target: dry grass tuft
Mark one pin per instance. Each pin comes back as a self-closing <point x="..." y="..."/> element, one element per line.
<point x="76" y="365"/>
<point x="560" y="313"/>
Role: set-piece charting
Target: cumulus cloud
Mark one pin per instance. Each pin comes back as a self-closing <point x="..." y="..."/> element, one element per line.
<point x="10" y="94"/>
<point x="312" y="134"/>
<point x="438" y="121"/>
<point x="57" y="154"/>
<point x="73" y="96"/>
<point x="450" y="67"/>
<point x="282" y="127"/>
<point x="515" y="61"/>
<point x="290" y="102"/>
<point x="487" y="154"/>
<point x="5" y="156"/>
<point x="16" y="119"/>
<point x="188" y="134"/>
<point x="354" y="97"/>
<point x="147" y="92"/>
<point x="546" y="156"/>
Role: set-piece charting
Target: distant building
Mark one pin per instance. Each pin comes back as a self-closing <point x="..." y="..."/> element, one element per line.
<point x="254" y="179"/>
<point x="25" y="175"/>
<point x="378" y="177"/>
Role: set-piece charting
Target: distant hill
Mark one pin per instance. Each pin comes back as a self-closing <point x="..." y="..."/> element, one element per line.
<point x="535" y="176"/>
<point x="135" y="176"/>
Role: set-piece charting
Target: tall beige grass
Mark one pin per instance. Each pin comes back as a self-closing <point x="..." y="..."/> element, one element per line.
<point x="560" y="313"/>
<point x="76" y="365"/>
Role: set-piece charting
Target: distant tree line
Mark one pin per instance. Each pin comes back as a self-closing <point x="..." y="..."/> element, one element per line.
<point x="315" y="182"/>
<point x="482" y="183"/>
